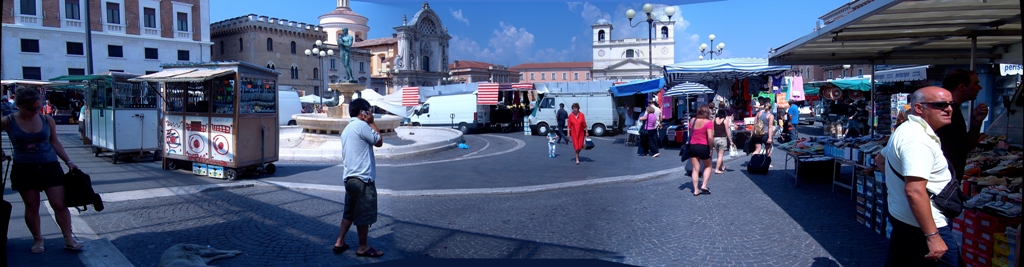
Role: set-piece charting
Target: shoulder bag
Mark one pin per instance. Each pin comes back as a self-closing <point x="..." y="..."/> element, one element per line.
<point x="950" y="201"/>
<point x="684" y="150"/>
<point x="643" y="126"/>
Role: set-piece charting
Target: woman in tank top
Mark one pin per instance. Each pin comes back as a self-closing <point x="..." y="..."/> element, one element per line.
<point x="723" y="139"/>
<point x="35" y="167"/>
<point x="699" y="150"/>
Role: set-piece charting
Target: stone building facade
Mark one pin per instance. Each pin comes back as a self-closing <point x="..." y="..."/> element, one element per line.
<point x="554" y="72"/>
<point x="43" y="39"/>
<point x="465" y="71"/>
<point x="280" y="44"/>
<point x="382" y="58"/>
<point x="422" y="58"/>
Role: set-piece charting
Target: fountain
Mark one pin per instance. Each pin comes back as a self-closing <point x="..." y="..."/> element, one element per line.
<point x="337" y="117"/>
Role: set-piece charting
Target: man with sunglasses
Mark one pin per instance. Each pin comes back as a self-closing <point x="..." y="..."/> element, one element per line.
<point x="921" y="235"/>
<point x="964" y="86"/>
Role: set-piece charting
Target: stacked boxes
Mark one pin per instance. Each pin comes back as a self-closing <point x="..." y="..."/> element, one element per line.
<point x="986" y="239"/>
<point x="872" y="206"/>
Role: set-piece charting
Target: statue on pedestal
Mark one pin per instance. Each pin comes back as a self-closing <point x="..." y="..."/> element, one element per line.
<point x="345" y="49"/>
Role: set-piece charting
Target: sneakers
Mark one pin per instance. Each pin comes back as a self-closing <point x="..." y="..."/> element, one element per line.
<point x="978" y="200"/>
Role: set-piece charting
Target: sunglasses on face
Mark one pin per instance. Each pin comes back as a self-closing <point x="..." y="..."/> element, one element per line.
<point x="939" y="105"/>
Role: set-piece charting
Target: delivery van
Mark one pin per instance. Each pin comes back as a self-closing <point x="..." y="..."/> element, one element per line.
<point x="452" y="110"/>
<point x="597" y="107"/>
<point x="288" y="105"/>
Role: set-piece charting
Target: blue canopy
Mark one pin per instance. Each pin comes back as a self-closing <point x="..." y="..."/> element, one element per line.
<point x="711" y="70"/>
<point x="638" y="87"/>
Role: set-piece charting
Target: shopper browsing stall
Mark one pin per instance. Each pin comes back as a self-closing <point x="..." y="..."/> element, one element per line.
<point x="920" y="234"/>
<point x="957" y="139"/>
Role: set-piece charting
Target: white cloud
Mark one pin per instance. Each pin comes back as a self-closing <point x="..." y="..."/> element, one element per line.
<point x="592" y="13"/>
<point x="573" y="5"/>
<point x="458" y="16"/>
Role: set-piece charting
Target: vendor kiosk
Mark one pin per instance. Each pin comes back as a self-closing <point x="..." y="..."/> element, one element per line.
<point x="122" y="115"/>
<point x="220" y="118"/>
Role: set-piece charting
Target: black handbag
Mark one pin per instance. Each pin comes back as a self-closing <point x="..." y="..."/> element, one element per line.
<point x="78" y="191"/>
<point x="589" y="144"/>
<point x="949" y="201"/>
<point x="684" y="150"/>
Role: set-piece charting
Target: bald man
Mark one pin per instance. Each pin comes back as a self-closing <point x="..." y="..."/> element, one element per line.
<point x="921" y="235"/>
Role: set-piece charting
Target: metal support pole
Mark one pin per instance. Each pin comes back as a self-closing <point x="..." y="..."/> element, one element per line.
<point x="650" y="47"/>
<point x="874" y="101"/>
<point x="88" y="39"/>
<point x="974" y="52"/>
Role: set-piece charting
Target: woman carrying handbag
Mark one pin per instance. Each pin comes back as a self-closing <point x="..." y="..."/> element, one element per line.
<point x="35" y="168"/>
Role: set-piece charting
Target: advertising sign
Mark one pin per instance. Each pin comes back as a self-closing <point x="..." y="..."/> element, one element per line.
<point x="197" y="138"/>
<point x="221" y="145"/>
<point x="174" y="131"/>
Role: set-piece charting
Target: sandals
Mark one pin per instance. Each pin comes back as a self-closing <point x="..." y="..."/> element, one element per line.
<point x="696" y="194"/>
<point x="75" y="247"/>
<point x="372" y="252"/>
<point x="39" y="249"/>
<point x="719" y="172"/>
<point x="339" y="250"/>
<point x="705" y="191"/>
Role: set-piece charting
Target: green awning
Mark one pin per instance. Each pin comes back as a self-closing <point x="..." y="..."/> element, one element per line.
<point x="862" y="84"/>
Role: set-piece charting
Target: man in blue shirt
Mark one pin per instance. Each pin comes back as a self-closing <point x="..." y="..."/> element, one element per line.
<point x="357" y="142"/>
<point x="794" y="120"/>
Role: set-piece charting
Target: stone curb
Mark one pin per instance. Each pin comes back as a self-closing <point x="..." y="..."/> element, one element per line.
<point x="391" y="152"/>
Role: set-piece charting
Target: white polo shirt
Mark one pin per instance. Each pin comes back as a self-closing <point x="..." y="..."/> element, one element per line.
<point x="915" y="150"/>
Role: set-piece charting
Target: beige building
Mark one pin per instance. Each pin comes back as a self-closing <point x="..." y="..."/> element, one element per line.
<point x="280" y="44"/>
<point x="382" y="57"/>
<point x="554" y="72"/>
<point x="43" y="39"/>
<point x="465" y="71"/>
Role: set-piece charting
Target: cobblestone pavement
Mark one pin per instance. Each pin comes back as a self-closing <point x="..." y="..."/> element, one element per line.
<point x="755" y="221"/>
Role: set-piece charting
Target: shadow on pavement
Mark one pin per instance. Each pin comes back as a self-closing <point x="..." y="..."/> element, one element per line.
<point x="281" y="227"/>
<point x="829" y="218"/>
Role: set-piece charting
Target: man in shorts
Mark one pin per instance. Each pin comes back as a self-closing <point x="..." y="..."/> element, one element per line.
<point x="357" y="142"/>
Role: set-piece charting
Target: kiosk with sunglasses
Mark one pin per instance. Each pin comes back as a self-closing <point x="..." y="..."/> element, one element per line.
<point x="220" y="118"/>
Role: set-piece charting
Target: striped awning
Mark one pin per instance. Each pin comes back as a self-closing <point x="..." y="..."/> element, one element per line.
<point x="522" y="86"/>
<point x="711" y="70"/>
<point x="487" y="93"/>
<point x="410" y="96"/>
<point x="688" y="88"/>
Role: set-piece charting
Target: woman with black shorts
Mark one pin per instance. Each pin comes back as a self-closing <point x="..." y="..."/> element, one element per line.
<point x="699" y="150"/>
<point x="35" y="167"/>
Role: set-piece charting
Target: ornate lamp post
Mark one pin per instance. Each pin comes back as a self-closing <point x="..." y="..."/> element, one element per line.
<point x="649" y="10"/>
<point x="845" y="68"/>
<point x="385" y="72"/>
<point x="320" y="54"/>
<point x="711" y="53"/>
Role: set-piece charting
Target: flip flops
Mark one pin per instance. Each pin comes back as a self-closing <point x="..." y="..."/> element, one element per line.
<point x="38" y="250"/>
<point x="372" y="252"/>
<point x="75" y="247"/>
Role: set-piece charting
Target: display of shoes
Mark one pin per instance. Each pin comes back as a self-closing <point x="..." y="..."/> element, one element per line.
<point x="978" y="200"/>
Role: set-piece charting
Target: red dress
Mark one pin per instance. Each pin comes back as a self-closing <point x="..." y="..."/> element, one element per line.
<point x="577" y="130"/>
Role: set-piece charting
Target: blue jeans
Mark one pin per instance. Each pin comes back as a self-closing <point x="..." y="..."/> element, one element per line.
<point x="560" y="134"/>
<point x="908" y="246"/>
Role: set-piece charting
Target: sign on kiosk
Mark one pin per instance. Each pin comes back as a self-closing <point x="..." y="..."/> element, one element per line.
<point x="1010" y="69"/>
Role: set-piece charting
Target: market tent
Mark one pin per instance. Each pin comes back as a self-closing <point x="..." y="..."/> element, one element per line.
<point x="711" y="70"/>
<point x="688" y="88"/>
<point x="393" y="103"/>
<point x="912" y="32"/>
<point x="487" y="93"/>
<point x="164" y="74"/>
<point x="907" y="74"/>
<point x="370" y="95"/>
<point x="637" y="87"/>
<point x="856" y="84"/>
<point x="313" y="99"/>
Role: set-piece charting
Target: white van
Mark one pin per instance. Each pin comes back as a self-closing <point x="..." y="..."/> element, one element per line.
<point x="288" y="105"/>
<point x="597" y="107"/>
<point x="451" y="110"/>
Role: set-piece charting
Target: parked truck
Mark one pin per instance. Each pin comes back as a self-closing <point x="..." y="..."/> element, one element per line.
<point x="597" y="107"/>
<point x="459" y="111"/>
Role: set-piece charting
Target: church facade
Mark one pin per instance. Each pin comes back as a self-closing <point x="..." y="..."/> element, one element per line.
<point x="628" y="59"/>
<point x="422" y="58"/>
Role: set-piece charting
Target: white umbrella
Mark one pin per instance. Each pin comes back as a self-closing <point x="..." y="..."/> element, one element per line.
<point x="688" y="88"/>
<point x="313" y="99"/>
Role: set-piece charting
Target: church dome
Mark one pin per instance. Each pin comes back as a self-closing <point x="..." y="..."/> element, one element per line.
<point x="344" y="17"/>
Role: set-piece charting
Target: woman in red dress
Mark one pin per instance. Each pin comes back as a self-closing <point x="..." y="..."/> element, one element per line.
<point x="577" y="130"/>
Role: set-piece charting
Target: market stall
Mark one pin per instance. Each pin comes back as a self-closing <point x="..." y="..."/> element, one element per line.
<point x="220" y="118"/>
<point x="920" y="32"/>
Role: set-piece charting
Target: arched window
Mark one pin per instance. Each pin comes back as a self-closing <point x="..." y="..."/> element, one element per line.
<point x="664" y="31"/>
<point x="270" y="45"/>
<point x="629" y="53"/>
<point x="293" y="47"/>
<point x="221" y="47"/>
<point x="240" y="44"/>
<point x="316" y="74"/>
<point x="295" y="72"/>
<point x="600" y="36"/>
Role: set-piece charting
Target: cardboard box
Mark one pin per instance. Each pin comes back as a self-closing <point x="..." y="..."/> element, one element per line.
<point x="957" y="224"/>
<point x="1001" y="244"/>
<point x="981" y="247"/>
<point x="860" y="199"/>
<point x="975" y="257"/>
<point x="993" y="223"/>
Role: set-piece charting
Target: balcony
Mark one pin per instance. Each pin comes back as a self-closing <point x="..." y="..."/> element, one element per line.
<point x="151" y="31"/>
<point x="68" y="23"/>
<point x="114" y="28"/>
<point x="183" y="35"/>
<point x="28" y="20"/>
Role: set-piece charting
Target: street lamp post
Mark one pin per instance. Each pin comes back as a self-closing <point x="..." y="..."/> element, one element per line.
<point x="845" y="68"/>
<point x="649" y="10"/>
<point x="320" y="54"/>
<point x="711" y="53"/>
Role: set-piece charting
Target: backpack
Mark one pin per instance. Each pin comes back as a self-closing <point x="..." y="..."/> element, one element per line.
<point x="759" y="127"/>
<point x="78" y="191"/>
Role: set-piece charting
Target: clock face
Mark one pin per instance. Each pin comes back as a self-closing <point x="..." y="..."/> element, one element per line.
<point x="600" y="53"/>
<point x="664" y="50"/>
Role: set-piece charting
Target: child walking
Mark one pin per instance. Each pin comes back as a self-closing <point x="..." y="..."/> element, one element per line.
<point x="552" y="140"/>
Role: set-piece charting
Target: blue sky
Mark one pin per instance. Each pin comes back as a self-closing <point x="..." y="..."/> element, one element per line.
<point x="511" y="33"/>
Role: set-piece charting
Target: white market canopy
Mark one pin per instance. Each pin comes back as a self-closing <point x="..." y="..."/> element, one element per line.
<point x="716" y="69"/>
<point x="313" y="99"/>
<point x="896" y="32"/>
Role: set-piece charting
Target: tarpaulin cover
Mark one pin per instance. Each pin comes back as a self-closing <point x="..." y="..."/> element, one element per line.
<point x="638" y="87"/>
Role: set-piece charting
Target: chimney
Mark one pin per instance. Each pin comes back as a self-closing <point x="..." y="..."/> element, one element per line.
<point x="273" y="20"/>
<point x="263" y="18"/>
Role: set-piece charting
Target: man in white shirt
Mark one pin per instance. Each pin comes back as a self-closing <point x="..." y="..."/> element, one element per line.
<point x="357" y="142"/>
<point x="920" y="233"/>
